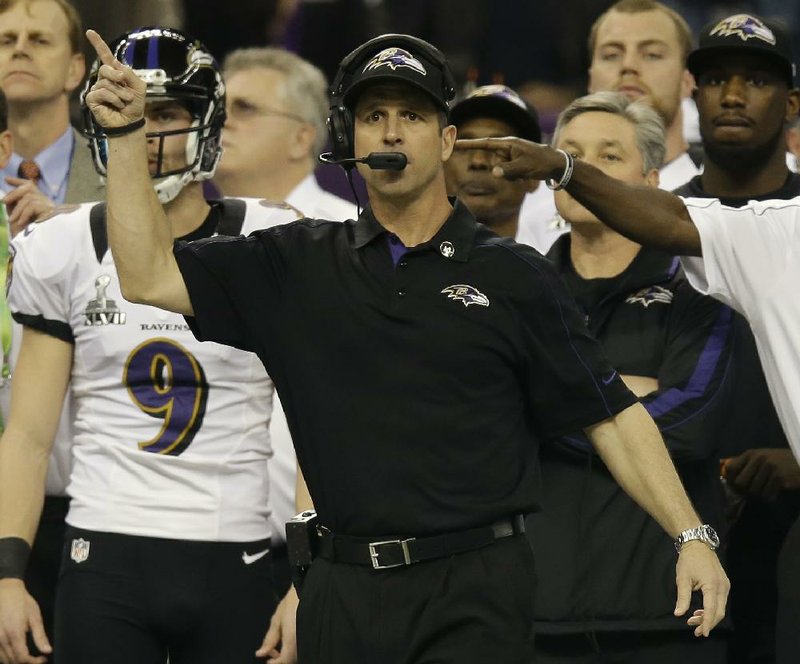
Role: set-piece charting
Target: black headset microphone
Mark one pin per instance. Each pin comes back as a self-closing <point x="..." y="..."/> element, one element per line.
<point x="377" y="161"/>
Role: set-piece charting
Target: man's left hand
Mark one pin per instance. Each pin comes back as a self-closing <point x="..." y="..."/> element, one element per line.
<point x="699" y="568"/>
<point x="764" y="472"/>
<point x="25" y="204"/>
<point x="280" y="643"/>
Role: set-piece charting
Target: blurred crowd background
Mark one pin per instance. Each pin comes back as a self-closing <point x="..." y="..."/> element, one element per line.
<point x="535" y="46"/>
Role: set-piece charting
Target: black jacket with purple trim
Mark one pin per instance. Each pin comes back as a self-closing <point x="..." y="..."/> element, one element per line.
<point x="603" y="563"/>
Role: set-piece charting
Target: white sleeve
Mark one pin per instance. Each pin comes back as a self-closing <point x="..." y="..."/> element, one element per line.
<point x="43" y="260"/>
<point x="744" y="249"/>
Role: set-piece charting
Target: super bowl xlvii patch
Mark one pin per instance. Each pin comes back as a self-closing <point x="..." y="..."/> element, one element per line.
<point x="79" y="551"/>
<point x="466" y="294"/>
<point x="393" y="58"/>
<point x="745" y="27"/>
<point x="649" y="295"/>
<point x="103" y="310"/>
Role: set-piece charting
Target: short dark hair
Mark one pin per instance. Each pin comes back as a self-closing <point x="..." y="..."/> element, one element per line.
<point x="685" y="39"/>
<point x="74" y="23"/>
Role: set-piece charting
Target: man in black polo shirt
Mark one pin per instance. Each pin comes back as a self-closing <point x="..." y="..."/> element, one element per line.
<point x="421" y="360"/>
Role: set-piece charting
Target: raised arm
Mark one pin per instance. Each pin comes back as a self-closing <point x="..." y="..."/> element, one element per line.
<point x="139" y="233"/>
<point x="646" y="215"/>
<point x="40" y="381"/>
<point x="632" y="449"/>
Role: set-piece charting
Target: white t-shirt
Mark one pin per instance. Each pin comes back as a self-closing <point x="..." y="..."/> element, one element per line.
<point x="171" y="435"/>
<point x="540" y="225"/>
<point x="751" y="261"/>
<point x="316" y="203"/>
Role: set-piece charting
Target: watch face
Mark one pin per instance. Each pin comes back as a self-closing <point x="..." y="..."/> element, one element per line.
<point x="711" y="534"/>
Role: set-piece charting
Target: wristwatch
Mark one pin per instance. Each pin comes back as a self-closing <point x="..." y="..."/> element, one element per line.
<point x="704" y="533"/>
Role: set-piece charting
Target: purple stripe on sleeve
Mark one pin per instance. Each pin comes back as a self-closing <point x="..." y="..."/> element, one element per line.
<point x="703" y="372"/>
<point x="674" y="266"/>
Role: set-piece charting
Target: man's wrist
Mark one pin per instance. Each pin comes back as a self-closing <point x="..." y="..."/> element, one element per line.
<point x="704" y="534"/>
<point x="124" y="130"/>
<point x="14" y="554"/>
<point x="695" y="544"/>
<point x="564" y="175"/>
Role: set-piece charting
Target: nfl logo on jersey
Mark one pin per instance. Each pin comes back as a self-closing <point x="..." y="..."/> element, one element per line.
<point x="80" y="550"/>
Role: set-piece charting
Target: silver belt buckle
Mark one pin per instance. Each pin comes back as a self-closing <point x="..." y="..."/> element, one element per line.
<point x="373" y="553"/>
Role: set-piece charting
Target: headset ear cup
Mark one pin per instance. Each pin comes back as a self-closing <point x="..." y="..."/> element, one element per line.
<point x="340" y="129"/>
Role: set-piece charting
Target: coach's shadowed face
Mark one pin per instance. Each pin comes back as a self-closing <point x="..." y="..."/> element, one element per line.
<point x="469" y="176"/>
<point x="743" y="103"/>
<point x="396" y="117"/>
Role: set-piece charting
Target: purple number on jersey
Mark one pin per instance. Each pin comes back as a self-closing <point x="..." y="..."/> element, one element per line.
<point x="166" y="381"/>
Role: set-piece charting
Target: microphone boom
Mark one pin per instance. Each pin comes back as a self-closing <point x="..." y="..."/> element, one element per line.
<point x="377" y="161"/>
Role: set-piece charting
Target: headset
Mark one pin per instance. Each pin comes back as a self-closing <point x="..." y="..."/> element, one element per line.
<point x="340" y="118"/>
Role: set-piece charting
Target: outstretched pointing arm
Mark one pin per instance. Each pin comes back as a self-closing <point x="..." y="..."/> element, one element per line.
<point x="649" y="216"/>
<point x="139" y="234"/>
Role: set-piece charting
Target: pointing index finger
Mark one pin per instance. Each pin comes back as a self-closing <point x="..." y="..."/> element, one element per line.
<point x="101" y="48"/>
<point x="494" y="144"/>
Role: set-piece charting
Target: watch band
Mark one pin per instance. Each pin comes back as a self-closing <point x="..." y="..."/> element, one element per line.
<point x="704" y="533"/>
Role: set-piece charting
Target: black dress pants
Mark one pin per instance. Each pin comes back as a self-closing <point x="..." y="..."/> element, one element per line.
<point x="470" y="608"/>
<point x="788" y="626"/>
<point x="667" y="647"/>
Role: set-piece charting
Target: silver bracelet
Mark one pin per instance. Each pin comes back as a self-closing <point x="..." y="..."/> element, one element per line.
<point x="566" y="176"/>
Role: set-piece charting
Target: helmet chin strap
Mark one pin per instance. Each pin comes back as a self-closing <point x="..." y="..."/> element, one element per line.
<point x="169" y="188"/>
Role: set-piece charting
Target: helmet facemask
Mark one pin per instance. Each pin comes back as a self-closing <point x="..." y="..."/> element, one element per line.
<point x="176" y="68"/>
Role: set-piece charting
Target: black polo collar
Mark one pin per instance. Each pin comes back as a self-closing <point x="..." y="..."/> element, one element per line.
<point x="454" y="240"/>
<point x="649" y="266"/>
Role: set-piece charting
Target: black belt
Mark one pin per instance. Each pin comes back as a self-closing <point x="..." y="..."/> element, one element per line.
<point x="384" y="554"/>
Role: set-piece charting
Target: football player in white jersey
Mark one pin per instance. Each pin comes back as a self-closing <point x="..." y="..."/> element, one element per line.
<point x="166" y="555"/>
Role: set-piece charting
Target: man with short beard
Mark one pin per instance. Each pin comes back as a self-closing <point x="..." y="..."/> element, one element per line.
<point x="638" y="48"/>
<point x="745" y="96"/>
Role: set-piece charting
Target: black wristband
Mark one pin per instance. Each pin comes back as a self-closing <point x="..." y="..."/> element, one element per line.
<point x="14" y="553"/>
<point x="126" y="129"/>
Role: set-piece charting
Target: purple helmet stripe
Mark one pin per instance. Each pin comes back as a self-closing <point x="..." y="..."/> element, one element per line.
<point x="152" y="53"/>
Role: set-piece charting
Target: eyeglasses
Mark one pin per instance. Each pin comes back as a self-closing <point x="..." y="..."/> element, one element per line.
<point x="242" y="110"/>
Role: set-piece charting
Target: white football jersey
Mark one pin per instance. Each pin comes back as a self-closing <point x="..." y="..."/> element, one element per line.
<point x="171" y="434"/>
<point x="751" y="262"/>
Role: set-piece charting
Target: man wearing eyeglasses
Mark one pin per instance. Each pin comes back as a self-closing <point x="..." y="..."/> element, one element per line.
<point x="277" y="105"/>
